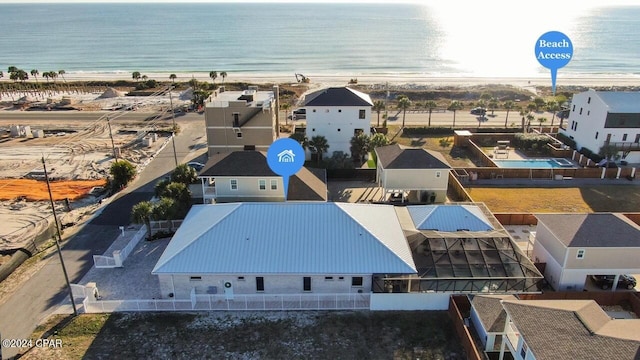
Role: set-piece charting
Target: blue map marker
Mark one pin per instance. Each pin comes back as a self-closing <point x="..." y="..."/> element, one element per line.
<point x="553" y="51"/>
<point x="285" y="158"/>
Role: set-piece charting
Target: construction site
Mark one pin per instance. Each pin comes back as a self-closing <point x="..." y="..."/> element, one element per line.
<point x="77" y="147"/>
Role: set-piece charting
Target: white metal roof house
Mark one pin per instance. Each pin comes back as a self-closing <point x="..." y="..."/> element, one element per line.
<point x="414" y="174"/>
<point x="338" y="113"/>
<point x="574" y="246"/>
<point x="283" y="248"/>
<point x="599" y="118"/>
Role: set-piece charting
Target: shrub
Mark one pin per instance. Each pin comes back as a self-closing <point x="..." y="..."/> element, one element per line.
<point x="566" y="140"/>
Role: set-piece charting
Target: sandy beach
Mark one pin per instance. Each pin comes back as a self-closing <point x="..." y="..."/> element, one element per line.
<point x="321" y="80"/>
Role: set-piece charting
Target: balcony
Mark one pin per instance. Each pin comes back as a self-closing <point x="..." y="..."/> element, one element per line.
<point x="513" y="335"/>
<point x="625" y="146"/>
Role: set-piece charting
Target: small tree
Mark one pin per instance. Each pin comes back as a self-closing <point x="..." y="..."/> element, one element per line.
<point x="553" y="107"/>
<point x="141" y="214"/>
<point x="454" y="106"/>
<point x="378" y="106"/>
<point x="213" y="75"/>
<point x="539" y="102"/>
<point x="173" y="78"/>
<point x="136" y="75"/>
<point x="403" y="104"/>
<point x="122" y="172"/>
<point x="184" y="174"/>
<point x="378" y="140"/>
<point x="508" y="105"/>
<point x="493" y="105"/>
<point x="542" y="120"/>
<point x="223" y="75"/>
<point x="319" y="145"/>
<point x="165" y="209"/>
<point x="359" y="146"/>
<point x="430" y="105"/>
<point x="301" y="138"/>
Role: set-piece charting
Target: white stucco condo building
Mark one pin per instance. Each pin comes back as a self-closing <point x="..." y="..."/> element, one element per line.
<point x="338" y="113"/>
<point x="599" y="118"/>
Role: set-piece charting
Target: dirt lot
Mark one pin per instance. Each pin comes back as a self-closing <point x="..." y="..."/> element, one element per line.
<point x="265" y="335"/>
<point x="616" y="198"/>
<point x="35" y="190"/>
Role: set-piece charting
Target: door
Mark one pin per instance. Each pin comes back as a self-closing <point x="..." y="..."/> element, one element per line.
<point x="306" y="283"/>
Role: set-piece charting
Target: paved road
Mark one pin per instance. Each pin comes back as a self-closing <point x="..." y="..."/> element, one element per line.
<point x="86" y="116"/>
<point x="39" y="296"/>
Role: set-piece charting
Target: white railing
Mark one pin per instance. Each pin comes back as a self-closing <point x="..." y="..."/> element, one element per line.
<point x="104" y="262"/>
<point x="240" y="302"/>
<point x="513" y="336"/>
<point x="109" y="306"/>
<point x="126" y="251"/>
<point x="119" y="256"/>
<point x="283" y="302"/>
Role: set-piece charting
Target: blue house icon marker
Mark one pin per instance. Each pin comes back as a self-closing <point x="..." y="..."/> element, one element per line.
<point x="286" y="156"/>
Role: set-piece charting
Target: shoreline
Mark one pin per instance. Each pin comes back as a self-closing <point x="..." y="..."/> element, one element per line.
<point x="324" y="80"/>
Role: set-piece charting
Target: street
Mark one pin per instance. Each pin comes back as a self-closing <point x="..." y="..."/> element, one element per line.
<point x="40" y="295"/>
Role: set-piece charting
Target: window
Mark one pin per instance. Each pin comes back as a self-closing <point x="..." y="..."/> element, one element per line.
<point x="328" y="278"/>
<point x="239" y="135"/>
<point x="338" y="129"/>
<point x="588" y="112"/>
<point x="234" y="184"/>
<point x="361" y="114"/>
<point x="341" y="278"/>
<point x="314" y="110"/>
<point x="357" y="132"/>
<point x="580" y="111"/>
<point x="236" y="119"/>
<point x="339" y="110"/>
<point x="262" y="184"/>
<point x="580" y="254"/>
<point x="259" y="283"/>
<point x="596" y="134"/>
<point x="574" y="108"/>
<point x="240" y="278"/>
<point x="274" y="184"/>
<point x="589" y="100"/>
<point x="313" y="129"/>
<point x="326" y="110"/>
<point x="356" y="281"/>
<point x="523" y="351"/>
<point x="195" y="278"/>
<point x="306" y="283"/>
<point x="438" y="174"/>
<point x="624" y="137"/>
<point x="637" y="140"/>
<point x="576" y="126"/>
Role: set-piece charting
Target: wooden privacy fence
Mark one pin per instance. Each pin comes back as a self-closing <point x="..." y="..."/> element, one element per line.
<point x="459" y="310"/>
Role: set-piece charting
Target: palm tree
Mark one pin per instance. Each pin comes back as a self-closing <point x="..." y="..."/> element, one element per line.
<point x="454" y="106"/>
<point x="35" y="74"/>
<point x="553" y="107"/>
<point x="173" y="78"/>
<point x="319" y="146"/>
<point x="530" y="118"/>
<point x="136" y="75"/>
<point x="144" y="77"/>
<point x="46" y="76"/>
<point x="493" y="105"/>
<point x="542" y="120"/>
<point x="61" y="73"/>
<point x="430" y="105"/>
<point x="301" y="138"/>
<point x="141" y="214"/>
<point x="378" y="106"/>
<point x="285" y="107"/>
<point x="223" y="75"/>
<point x="539" y="103"/>
<point x="213" y="75"/>
<point x="403" y="104"/>
<point x="12" y="69"/>
<point x="508" y="105"/>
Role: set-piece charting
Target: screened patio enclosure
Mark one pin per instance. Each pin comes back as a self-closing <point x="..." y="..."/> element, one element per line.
<point x="464" y="261"/>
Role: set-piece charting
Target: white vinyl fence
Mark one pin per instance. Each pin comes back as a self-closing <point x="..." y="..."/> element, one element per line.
<point x="240" y="302"/>
<point x="119" y="256"/>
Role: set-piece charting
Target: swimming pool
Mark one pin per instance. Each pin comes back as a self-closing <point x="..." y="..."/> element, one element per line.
<point x="535" y="163"/>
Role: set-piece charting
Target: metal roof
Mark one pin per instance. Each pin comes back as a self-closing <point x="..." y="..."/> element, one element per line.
<point x="293" y="238"/>
<point x="621" y="101"/>
<point x="449" y="218"/>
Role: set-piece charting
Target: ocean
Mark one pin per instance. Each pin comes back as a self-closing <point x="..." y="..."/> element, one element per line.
<point x="320" y="39"/>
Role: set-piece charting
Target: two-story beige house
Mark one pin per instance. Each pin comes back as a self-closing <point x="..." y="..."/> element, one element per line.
<point x="239" y="120"/>
<point x="412" y="174"/>
<point x="574" y="246"/>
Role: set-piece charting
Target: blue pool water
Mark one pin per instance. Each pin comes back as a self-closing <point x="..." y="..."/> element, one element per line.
<point x="534" y="163"/>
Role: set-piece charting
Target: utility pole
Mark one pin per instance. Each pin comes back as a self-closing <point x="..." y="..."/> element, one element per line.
<point x="173" y="133"/>
<point x="59" y="238"/>
<point x="113" y="145"/>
